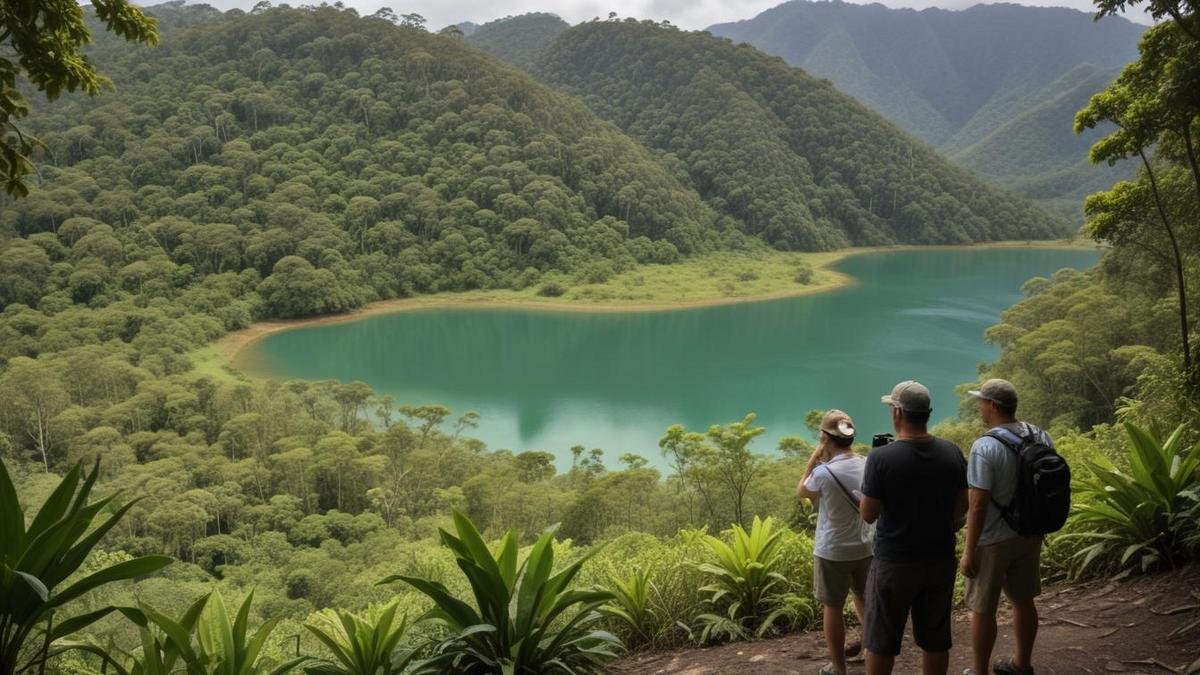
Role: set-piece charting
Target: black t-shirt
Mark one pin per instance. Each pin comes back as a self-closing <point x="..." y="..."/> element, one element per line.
<point x="918" y="483"/>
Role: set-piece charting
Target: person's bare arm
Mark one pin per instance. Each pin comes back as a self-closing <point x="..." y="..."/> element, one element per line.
<point x="870" y="508"/>
<point x="814" y="460"/>
<point x="979" y="502"/>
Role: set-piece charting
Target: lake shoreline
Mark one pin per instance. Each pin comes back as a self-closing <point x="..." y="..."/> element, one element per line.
<point x="233" y="344"/>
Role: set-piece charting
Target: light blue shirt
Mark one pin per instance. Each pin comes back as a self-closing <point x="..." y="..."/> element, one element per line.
<point x="840" y="533"/>
<point x="993" y="467"/>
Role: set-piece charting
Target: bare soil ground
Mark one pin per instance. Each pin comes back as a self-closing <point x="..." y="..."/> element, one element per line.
<point x="1138" y="625"/>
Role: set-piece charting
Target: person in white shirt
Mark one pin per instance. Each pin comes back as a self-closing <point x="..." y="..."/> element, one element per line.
<point x="842" y="544"/>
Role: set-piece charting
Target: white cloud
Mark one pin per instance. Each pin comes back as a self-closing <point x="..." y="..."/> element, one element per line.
<point x="690" y="14"/>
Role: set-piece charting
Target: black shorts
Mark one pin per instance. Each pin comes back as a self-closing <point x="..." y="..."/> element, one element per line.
<point x="924" y="587"/>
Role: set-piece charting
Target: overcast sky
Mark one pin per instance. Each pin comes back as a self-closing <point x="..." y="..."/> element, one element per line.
<point x="690" y="14"/>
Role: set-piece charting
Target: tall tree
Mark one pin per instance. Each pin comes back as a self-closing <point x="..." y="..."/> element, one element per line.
<point x="1155" y="105"/>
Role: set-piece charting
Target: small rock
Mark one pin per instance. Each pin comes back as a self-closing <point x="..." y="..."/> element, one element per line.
<point x="758" y="657"/>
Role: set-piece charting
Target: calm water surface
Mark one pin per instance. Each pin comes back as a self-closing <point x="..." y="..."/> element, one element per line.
<point x="545" y="380"/>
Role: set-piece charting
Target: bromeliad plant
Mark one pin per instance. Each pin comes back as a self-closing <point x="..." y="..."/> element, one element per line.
<point x="36" y="560"/>
<point x="225" y="648"/>
<point x="631" y="605"/>
<point x="362" y="644"/>
<point x="525" y="619"/>
<point x="1137" y="518"/>
<point x="202" y="642"/>
<point x="162" y="642"/>
<point x="748" y="596"/>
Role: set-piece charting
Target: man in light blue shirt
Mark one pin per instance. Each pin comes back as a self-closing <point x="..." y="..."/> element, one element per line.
<point x="995" y="557"/>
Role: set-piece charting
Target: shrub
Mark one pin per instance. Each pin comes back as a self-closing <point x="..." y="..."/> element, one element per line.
<point x="525" y="618"/>
<point x="203" y="640"/>
<point x="803" y="275"/>
<point x="748" y="595"/>
<point x="631" y="605"/>
<point x="362" y="644"/>
<point x="1140" y="516"/>
<point x="673" y="592"/>
<point x="551" y="289"/>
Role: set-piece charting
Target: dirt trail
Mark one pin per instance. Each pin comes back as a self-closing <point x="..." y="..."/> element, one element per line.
<point x="1098" y="627"/>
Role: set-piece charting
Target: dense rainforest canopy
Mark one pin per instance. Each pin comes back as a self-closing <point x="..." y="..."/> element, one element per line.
<point x="518" y="39"/>
<point x="800" y="164"/>
<point x="342" y="159"/>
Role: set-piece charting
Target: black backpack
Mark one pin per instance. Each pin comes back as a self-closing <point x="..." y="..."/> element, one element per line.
<point x="1042" y="499"/>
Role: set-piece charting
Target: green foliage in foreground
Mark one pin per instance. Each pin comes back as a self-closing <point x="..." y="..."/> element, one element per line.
<point x="747" y="592"/>
<point x="362" y="644"/>
<point x="526" y="618"/>
<point x="1139" y="517"/>
<point x="204" y="641"/>
<point x="37" y="559"/>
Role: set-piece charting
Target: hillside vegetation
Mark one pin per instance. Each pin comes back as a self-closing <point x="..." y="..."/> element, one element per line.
<point x="325" y="160"/>
<point x="518" y="39"/>
<point x="957" y="78"/>
<point x="799" y="163"/>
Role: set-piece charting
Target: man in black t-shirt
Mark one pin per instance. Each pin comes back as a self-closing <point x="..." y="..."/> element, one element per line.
<point x="916" y="487"/>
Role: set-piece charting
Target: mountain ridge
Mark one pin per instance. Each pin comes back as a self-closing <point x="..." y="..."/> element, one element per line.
<point x="770" y="145"/>
<point x="951" y="77"/>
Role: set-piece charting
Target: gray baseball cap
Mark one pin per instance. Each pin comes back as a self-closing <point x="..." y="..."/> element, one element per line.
<point x="1001" y="392"/>
<point x="910" y="396"/>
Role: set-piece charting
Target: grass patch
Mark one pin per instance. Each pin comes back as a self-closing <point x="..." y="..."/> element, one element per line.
<point x="211" y="363"/>
<point x="712" y="277"/>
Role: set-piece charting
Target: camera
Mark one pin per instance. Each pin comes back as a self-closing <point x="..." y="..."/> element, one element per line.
<point x="881" y="439"/>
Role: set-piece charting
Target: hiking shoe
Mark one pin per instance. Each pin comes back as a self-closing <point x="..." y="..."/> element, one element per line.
<point x="828" y="669"/>
<point x="853" y="649"/>
<point x="1006" y="666"/>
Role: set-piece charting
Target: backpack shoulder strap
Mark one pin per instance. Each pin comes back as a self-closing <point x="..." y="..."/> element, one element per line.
<point x="849" y="495"/>
<point x="1009" y="439"/>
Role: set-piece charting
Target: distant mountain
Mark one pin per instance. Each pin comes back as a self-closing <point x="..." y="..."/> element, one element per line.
<point x="994" y="86"/>
<point x="795" y="161"/>
<point x="517" y="39"/>
<point x="468" y="28"/>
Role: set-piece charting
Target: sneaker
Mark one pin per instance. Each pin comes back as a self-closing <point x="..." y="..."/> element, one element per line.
<point x="854" y="649"/>
<point x="968" y="671"/>
<point x="828" y="669"/>
<point x="1007" y="666"/>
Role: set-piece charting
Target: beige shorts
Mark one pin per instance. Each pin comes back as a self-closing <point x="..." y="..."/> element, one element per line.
<point x="834" y="579"/>
<point x="1013" y="565"/>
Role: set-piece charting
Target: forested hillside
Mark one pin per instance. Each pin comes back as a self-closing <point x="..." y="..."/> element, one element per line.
<point x="797" y="162"/>
<point x="318" y="160"/>
<point x="518" y="39"/>
<point x="957" y="78"/>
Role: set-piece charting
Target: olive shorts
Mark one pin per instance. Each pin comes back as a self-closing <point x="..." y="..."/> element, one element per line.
<point x="1013" y="565"/>
<point x="834" y="579"/>
<point x="924" y="588"/>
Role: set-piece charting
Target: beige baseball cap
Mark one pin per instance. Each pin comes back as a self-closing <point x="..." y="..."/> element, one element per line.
<point x="1001" y="392"/>
<point x="910" y="396"/>
<point x="838" y="424"/>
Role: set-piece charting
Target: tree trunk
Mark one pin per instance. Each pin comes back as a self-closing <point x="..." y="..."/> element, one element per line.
<point x="1178" y="264"/>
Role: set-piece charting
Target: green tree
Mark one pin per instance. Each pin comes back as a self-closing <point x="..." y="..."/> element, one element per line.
<point x="41" y="43"/>
<point x="1154" y="104"/>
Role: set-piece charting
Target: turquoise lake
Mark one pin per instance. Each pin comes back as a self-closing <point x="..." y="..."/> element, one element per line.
<point x="547" y="380"/>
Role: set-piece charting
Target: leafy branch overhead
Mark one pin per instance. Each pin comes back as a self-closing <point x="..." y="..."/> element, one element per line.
<point x="41" y="42"/>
